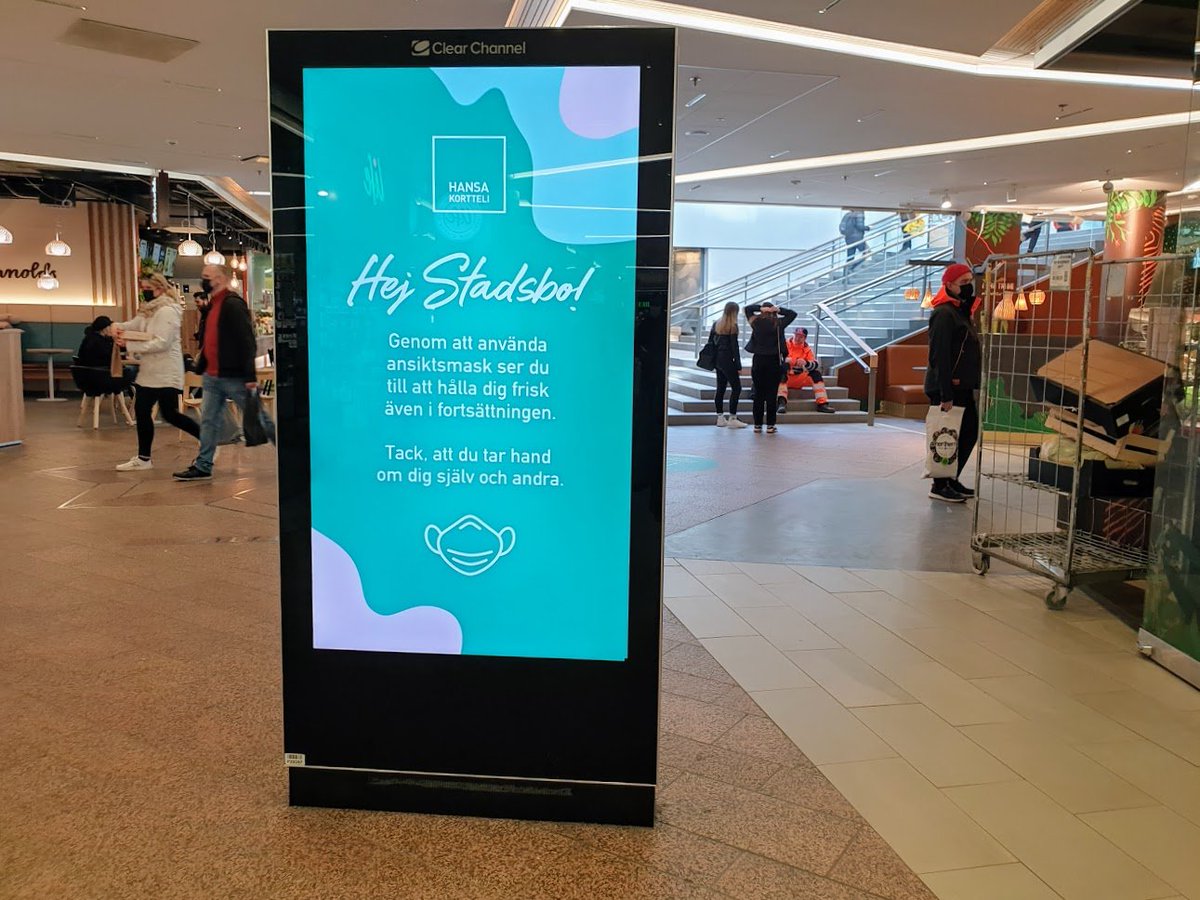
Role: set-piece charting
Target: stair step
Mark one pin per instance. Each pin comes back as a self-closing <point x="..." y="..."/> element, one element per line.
<point x="699" y="377"/>
<point x="675" y="417"/>
<point x="685" y="403"/>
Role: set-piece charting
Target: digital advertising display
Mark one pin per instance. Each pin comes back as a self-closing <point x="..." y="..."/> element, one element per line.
<point x="471" y="279"/>
<point x="472" y="270"/>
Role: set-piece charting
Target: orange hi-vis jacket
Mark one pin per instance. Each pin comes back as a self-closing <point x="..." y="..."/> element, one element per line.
<point x="799" y="353"/>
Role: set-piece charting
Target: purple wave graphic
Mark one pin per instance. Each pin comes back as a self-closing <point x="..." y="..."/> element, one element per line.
<point x="343" y="621"/>
<point x="599" y="101"/>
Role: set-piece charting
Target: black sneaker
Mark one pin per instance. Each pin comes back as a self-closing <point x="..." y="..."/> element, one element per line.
<point x="825" y="408"/>
<point x="962" y="488"/>
<point x="781" y="405"/>
<point x="946" y="493"/>
<point x="191" y="473"/>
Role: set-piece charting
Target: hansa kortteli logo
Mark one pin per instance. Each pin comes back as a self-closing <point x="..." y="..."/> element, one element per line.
<point x="469" y="174"/>
<point x="420" y="48"/>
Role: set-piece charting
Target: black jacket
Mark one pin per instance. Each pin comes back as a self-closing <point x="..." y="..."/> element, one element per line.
<point x="729" y="357"/>
<point x="955" y="357"/>
<point x="95" y="350"/>
<point x="768" y="334"/>
<point x="235" y="340"/>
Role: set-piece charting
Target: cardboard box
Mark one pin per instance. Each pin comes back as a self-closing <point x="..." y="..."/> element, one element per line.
<point x="1132" y="448"/>
<point x="1124" y="388"/>
<point x="1095" y="478"/>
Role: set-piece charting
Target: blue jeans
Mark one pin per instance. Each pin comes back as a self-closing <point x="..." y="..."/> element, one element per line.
<point x="212" y="412"/>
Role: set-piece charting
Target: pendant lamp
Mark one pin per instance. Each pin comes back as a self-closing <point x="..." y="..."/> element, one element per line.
<point x="5" y="235"/>
<point x="1022" y="306"/>
<point x="235" y="283"/>
<point x="214" y="258"/>
<point x="927" y="303"/>
<point x="1037" y="298"/>
<point x="242" y="264"/>
<point x="58" y="247"/>
<point x="912" y="293"/>
<point x="190" y="247"/>
<point x="47" y="282"/>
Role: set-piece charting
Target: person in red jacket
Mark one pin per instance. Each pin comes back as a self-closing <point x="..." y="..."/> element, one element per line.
<point x="803" y="371"/>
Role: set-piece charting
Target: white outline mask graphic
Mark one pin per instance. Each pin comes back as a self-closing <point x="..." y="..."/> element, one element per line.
<point x="464" y="546"/>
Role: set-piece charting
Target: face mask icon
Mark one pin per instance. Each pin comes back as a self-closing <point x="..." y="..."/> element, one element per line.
<point x="470" y="546"/>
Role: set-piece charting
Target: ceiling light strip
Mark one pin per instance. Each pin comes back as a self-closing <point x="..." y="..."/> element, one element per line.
<point x="967" y="145"/>
<point x="850" y="45"/>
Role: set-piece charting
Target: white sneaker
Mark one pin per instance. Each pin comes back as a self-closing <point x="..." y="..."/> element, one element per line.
<point x="722" y="421"/>
<point x="735" y="423"/>
<point x="135" y="464"/>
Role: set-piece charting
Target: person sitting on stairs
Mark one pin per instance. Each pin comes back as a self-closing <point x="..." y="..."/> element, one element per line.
<point x="803" y="371"/>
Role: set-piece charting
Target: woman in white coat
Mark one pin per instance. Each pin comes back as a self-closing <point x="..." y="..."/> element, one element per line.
<point x="160" y="371"/>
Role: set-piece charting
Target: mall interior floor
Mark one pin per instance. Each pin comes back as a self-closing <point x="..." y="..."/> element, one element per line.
<point x="141" y="755"/>
<point x="840" y="728"/>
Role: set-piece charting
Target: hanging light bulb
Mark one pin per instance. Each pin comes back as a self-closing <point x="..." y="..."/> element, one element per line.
<point x="242" y="266"/>
<point x="1022" y="306"/>
<point x="58" y="247"/>
<point x="235" y="283"/>
<point x="233" y="262"/>
<point x="927" y="303"/>
<point x="214" y="258"/>
<point x="47" y="282"/>
<point x="946" y="201"/>
<point x="5" y="235"/>
<point x="1037" y="298"/>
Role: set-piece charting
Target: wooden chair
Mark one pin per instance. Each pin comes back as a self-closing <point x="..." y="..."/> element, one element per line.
<point x="96" y="385"/>
<point x="191" y="382"/>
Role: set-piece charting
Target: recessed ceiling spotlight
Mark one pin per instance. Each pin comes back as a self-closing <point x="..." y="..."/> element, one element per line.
<point x="694" y="101"/>
<point x="779" y="154"/>
<point x="1129" y="151"/>
<point x="322" y="193"/>
<point x="869" y="116"/>
<point x="985" y="184"/>
<point x="947" y="161"/>
<point x="884" y="172"/>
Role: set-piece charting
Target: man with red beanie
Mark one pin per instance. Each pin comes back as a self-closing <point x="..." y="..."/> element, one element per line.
<point x="955" y="368"/>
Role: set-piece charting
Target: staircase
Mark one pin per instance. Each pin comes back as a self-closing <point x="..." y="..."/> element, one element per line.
<point x="849" y="312"/>
<point x="692" y="391"/>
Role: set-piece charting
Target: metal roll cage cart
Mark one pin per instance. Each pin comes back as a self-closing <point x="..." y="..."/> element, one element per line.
<point x="1038" y="457"/>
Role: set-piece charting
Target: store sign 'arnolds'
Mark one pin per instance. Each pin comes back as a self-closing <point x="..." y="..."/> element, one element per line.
<point x="34" y="271"/>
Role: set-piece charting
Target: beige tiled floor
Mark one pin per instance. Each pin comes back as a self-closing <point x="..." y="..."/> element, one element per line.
<point x="1005" y="751"/>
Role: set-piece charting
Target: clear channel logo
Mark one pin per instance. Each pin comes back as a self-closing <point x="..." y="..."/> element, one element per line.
<point x="426" y="47"/>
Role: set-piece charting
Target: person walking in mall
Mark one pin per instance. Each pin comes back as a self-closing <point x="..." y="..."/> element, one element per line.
<point x="724" y="337"/>
<point x="768" y="345"/>
<point x="854" y="229"/>
<point x="955" y="368"/>
<point x="160" y="371"/>
<point x="226" y="362"/>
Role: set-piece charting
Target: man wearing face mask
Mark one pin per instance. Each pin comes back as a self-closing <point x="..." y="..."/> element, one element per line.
<point x="226" y="362"/>
<point x="955" y="367"/>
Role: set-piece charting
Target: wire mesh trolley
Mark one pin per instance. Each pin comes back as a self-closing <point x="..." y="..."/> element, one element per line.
<point x="1070" y="414"/>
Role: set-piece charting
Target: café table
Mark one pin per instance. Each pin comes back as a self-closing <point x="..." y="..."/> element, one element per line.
<point x="50" y="353"/>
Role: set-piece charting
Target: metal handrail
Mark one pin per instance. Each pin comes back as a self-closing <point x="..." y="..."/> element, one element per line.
<point x="871" y="367"/>
<point x="702" y="304"/>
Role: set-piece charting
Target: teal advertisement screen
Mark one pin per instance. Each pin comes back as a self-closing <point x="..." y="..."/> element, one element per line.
<point x="471" y="237"/>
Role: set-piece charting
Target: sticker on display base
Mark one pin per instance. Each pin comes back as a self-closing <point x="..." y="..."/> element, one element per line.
<point x="470" y="546"/>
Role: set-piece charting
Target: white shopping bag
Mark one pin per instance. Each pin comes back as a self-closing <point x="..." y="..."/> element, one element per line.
<point x="941" y="442"/>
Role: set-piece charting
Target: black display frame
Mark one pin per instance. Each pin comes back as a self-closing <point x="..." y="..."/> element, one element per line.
<point x="477" y="735"/>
